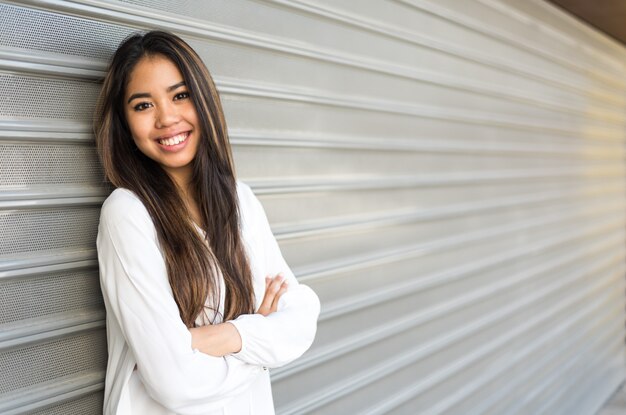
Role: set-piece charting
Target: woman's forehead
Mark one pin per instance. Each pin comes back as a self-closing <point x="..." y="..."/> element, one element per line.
<point x="153" y="72"/>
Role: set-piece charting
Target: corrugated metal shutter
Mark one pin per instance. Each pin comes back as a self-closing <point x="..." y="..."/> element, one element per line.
<point x="448" y="176"/>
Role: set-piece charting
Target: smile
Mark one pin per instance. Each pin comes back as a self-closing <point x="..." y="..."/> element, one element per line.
<point x="175" y="140"/>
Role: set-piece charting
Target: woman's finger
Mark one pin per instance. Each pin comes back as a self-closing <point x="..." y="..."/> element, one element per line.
<point x="272" y="287"/>
<point x="266" y="303"/>
<point x="283" y="289"/>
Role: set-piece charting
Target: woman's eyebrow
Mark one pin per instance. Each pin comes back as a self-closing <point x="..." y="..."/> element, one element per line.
<point x="139" y="95"/>
<point x="147" y="95"/>
<point x="173" y="87"/>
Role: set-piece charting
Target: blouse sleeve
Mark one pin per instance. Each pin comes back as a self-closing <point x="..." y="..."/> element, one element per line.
<point x="138" y="296"/>
<point x="286" y="334"/>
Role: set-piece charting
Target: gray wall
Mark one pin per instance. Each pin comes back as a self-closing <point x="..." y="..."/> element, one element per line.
<point x="447" y="175"/>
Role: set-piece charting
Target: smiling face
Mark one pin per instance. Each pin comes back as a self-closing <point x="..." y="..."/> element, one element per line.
<point x="162" y="117"/>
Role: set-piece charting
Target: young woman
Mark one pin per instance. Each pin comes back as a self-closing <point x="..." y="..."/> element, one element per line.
<point x="199" y="299"/>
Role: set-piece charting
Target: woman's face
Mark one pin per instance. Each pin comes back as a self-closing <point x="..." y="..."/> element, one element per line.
<point x="161" y="115"/>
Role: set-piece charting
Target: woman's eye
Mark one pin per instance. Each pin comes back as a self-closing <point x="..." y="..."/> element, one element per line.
<point x="141" y="106"/>
<point x="182" y="95"/>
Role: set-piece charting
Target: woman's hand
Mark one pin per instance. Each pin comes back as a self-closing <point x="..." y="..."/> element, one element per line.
<point x="274" y="289"/>
<point x="222" y="339"/>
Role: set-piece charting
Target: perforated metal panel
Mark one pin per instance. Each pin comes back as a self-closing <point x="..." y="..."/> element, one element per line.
<point x="448" y="176"/>
<point x="48" y="164"/>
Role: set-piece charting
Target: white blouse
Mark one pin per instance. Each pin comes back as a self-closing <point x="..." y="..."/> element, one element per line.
<point x="152" y="367"/>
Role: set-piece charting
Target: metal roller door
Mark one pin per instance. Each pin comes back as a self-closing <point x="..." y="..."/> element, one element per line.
<point x="447" y="175"/>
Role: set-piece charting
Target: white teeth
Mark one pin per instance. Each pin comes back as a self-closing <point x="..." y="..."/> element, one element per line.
<point x="174" y="140"/>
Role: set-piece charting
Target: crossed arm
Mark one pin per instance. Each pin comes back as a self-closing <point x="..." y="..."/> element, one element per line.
<point x="223" y="339"/>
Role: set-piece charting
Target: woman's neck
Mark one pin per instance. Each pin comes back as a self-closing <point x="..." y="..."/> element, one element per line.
<point x="182" y="179"/>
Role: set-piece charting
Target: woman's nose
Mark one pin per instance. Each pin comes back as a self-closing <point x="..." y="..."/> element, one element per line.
<point x="167" y="115"/>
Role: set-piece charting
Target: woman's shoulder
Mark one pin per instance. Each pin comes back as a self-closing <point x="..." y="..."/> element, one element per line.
<point x="243" y="189"/>
<point x="247" y="199"/>
<point x="121" y="198"/>
<point x="250" y="208"/>
<point x="122" y="202"/>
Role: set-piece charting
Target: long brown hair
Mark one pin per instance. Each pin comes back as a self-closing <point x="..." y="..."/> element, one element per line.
<point x="191" y="265"/>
